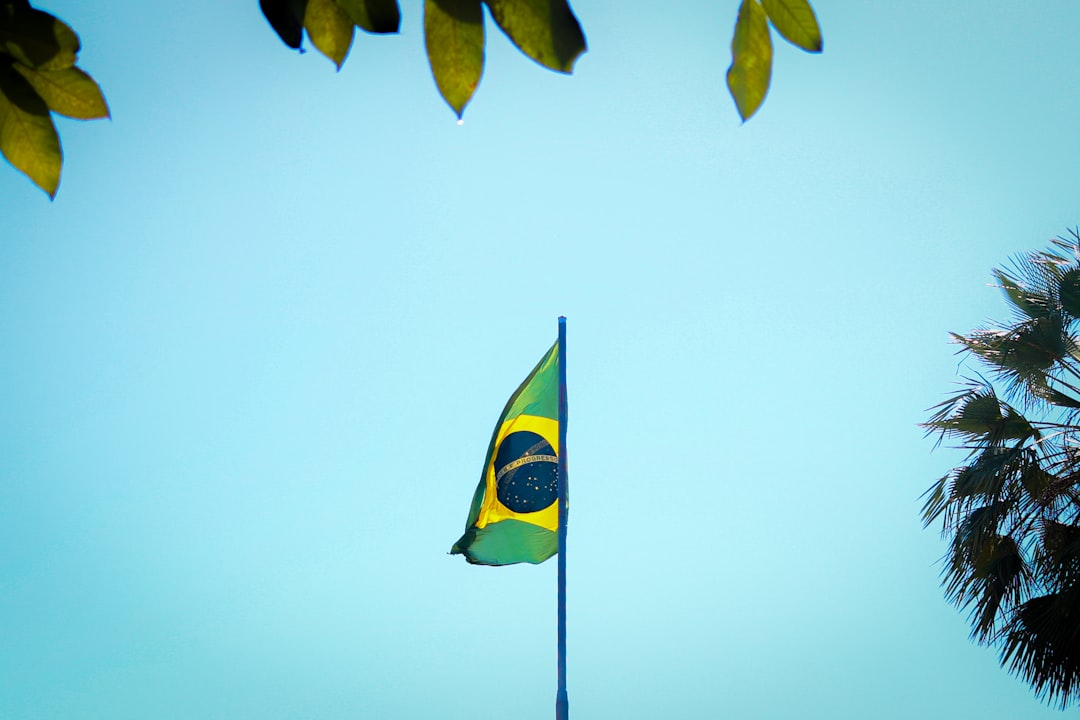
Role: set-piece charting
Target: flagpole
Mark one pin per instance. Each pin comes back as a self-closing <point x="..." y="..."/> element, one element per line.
<point x="562" y="703"/>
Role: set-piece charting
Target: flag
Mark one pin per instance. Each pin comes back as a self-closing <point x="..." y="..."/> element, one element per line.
<point x="515" y="511"/>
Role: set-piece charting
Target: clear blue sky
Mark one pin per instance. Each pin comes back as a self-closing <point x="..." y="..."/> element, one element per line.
<point x="251" y="357"/>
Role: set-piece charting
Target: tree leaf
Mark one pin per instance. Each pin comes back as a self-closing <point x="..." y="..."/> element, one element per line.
<point x="1069" y="292"/>
<point x="545" y="30"/>
<point x="1055" y="397"/>
<point x="1023" y="299"/>
<point x="37" y="39"/>
<point x="795" y="20"/>
<point x="330" y="29"/>
<point x="454" y="35"/>
<point x="751" y="59"/>
<point x="374" y="16"/>
<point x="69" y="92"/>
<point x="287" y="19"/>
<point x="28" y="137"/>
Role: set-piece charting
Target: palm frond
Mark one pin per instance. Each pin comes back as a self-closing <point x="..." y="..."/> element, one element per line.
<point x="1042" y="646"/>
<point x="1012" y="510"/>
<point x="985" y="571"/>
<point x="979" y="418"/>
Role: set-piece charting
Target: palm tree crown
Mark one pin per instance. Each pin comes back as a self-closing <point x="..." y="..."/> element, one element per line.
<point x="1012" y="511"/>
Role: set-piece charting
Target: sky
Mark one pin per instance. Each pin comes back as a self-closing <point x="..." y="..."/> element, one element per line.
<point x="251" y="357"/>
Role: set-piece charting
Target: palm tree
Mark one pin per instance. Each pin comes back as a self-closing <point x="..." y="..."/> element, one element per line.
<point x="1012" y="511"/>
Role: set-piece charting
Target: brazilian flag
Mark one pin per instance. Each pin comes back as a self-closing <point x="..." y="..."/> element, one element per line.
<point x="515" y="512"/>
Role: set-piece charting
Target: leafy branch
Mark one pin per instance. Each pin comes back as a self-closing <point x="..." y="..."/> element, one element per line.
<point x="38" y="54"/>
<point x="545" y="30"/>
<point x="1012" y="510"/>
<point x="750" y="73"/>
<point x="38" y="77"/>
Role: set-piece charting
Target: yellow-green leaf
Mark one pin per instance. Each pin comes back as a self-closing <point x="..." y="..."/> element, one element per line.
<point x="330" y="29"/>
<point x="374" y="16"/>
<point x="751" y="59"/>
<point x="37" y="39"/>
<point x="28" y="137"/>
<point x="69" y="92"/>
<point x="545" y="30"/>
<point x="454" y="35"/>
<point x="795" y="20"/>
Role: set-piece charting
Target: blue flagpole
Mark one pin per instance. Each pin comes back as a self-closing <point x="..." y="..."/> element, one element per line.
<point x="562" y="703"/>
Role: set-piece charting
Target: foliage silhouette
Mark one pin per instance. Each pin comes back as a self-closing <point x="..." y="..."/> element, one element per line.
<point x="38" y="54"/>
<point x="1012" y="511"/>
<point x="38" y="77"/>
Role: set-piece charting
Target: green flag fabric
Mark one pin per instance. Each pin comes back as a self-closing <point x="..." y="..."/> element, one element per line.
<point x="514" y="515"/>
